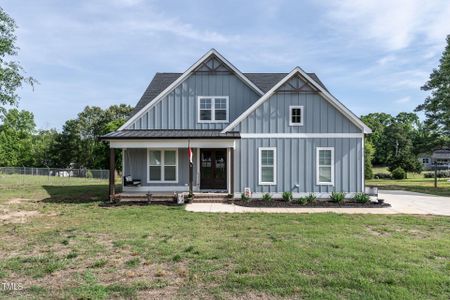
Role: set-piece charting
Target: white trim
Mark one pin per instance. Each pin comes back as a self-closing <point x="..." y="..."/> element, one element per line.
<point x="291" y="107"/>
<point x="123" y="167"/>
<point x="296" y="195"/>
<point x="260" y="182"/>
<point x="163" y="164"/>
<point x="213" y="109"/>
<point x="198" y="168"/>
<point x="363" y="180"/>
<point x="172" y="143"/>
<point x="229" y="170"/>
<point x="301" y="135"/>
<point x="336" y="103"/>
<point x="318" y="182"/>
<point x="183" y="77"/>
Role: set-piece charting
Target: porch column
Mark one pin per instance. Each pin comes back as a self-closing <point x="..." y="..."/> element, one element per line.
<point x="231" y="171"/>
<point x="112" y="168"/>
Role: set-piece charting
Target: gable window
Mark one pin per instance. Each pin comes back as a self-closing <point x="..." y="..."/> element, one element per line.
<point x="162" y="165"/>
<point x="267" y="165"/>
<point x="213" y="109"/>
<point x="295" y="115"/>
<point x="325" y="165"/>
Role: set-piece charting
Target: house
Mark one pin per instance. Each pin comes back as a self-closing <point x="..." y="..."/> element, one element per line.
<point x="439" y="158"/>
<point x="266" y="132"/>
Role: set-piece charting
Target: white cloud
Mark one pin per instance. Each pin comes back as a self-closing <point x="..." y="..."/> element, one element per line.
<point x="403" y="100"/>
<point x="392" y="25"/>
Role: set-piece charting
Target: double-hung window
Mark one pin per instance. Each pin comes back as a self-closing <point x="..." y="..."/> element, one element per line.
<point x="213" y="109"/>
<point x="325" y="165"/>
<point x="295" y="115"/>
<point x="162" y="165"/>
<point x="267" y="165"/>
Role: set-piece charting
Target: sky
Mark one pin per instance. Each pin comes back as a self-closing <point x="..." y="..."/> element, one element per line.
<point x="373" y="55"/>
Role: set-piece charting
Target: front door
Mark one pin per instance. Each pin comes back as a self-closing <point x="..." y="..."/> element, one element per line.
<point x="213" y="169"/>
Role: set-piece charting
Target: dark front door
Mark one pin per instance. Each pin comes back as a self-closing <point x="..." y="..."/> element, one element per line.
<point x="213" y="169"/>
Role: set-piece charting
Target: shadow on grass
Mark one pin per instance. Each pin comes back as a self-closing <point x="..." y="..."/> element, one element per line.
<point x="76" y="193"/>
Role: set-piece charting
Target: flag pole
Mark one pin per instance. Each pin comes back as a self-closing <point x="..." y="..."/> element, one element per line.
<point x="191" y="169"/>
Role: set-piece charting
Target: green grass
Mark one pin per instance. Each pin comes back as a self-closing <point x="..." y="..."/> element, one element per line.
<point x="165" y="252"/>
<point x="414" y="183"/>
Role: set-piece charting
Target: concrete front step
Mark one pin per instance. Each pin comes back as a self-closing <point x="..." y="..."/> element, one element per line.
<point x="210" y="200"/>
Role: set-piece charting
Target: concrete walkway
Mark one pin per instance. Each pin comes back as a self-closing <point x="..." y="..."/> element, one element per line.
<point x="402" y="202"/>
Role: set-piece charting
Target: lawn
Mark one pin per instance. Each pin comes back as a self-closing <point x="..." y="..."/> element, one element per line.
<point x="414" y="183"/>
<point x="71" y="247"/>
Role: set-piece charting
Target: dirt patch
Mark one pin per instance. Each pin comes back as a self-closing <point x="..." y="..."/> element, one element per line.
<point x="17" y="217"/>
<point x="18" y="200"/>
<point x="317" y="204"/>
<point x="376" y="232"/>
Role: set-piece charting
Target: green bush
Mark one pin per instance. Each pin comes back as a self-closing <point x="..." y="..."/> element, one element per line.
<point x="244" y="197"/>
<point x="398" y="173"/>
<point x="382" y="176"/>
<point x="89" y="174"/>
<point x="267" y="197"/>
<point x="311" y="198"/>
<point x="361" y="197"/>
<point x="287" y="196"/>
<point x="302" y="200"/>
<point x="337" y="197"/>
<point x="440" y="174"/>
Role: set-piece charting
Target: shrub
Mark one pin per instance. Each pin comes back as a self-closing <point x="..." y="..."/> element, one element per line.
<point x="361" y="197"/>
<point x="440" y="174"/>
<point x="311" y="198"/>
<point x="337" y="197"/>
<point x="89" y="174"/>
<point x="267" y="197"/>
<point x="302" y="200"/>
<point x="382" y="176"/>
<point x="244" y="197"/>
<point x="398" y="173"/>
<point x="287" y="196"/>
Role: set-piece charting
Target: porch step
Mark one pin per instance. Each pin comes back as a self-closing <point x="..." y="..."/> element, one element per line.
<point x="210" y="198"/>
<point x="143" y="196"/>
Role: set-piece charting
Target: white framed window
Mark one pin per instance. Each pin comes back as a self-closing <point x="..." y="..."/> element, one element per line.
<point x="162" y="165"/>
<point x="325" y="165"/>
<point x="212" y="109"/>
<point x="295" y="115"/>
<point x="267" y="157"/>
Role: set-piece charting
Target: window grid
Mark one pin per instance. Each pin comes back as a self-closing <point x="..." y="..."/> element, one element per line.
<point x="267" y="162"/>
<point x="163" y="161"/>
<point x="295" y="115"/>
<point x="213" y="109"/>
<point x="325" y="165"/>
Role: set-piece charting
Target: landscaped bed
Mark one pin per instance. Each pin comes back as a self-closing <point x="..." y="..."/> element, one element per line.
<point x="325" y="203"/>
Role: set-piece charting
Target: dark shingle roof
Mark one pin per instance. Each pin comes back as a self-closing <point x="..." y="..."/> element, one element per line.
<point x="264" y="81"/>
<point x="170" y="134"/>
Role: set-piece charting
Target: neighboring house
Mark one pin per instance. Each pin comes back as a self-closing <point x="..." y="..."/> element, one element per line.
<point x="270" y="132"/>
<point x="439" y="157"/>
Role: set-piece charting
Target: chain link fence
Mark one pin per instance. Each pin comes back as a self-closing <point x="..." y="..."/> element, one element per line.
<point x="78" y="173"/>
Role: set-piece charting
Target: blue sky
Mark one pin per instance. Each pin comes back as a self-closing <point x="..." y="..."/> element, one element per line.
<point x="373" y="55"/>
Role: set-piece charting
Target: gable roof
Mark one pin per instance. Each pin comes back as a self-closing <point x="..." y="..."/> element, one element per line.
<point x="182" y="77"/>
<point x="264" y="81"/>
<point x="322" y="91"/>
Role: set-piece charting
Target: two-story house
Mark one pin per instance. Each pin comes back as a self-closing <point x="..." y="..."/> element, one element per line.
<point x="269" y="132"/>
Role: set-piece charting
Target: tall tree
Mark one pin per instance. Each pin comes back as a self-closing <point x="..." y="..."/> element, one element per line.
<point x="12" y="75"/>
<point x="437" y="105"/>
<point x="16" y="144"/>
<point x="378" y="123"/>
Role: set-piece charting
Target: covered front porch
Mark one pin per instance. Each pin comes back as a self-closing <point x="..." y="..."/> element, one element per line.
<point x="157" y="165"/>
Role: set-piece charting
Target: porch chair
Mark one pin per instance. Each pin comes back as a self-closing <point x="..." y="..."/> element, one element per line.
<point x="129" y="181"/>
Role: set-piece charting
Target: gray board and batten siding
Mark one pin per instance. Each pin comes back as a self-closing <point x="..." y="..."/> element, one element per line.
<point x="178" y="110"/>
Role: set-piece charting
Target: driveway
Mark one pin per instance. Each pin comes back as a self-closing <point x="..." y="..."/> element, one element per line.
<point x="402" y="202"/>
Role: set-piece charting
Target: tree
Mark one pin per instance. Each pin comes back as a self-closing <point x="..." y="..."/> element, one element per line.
<point x="43" y="143"/>
<point x="437" y="105"/>
<point x="378" y="123"/>
<point x="11" y="73"/>
<point x="369" y="151"/>
<point x="16" y="144"/>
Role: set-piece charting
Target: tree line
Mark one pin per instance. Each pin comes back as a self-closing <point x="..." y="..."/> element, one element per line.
<point x="395" y="142"/>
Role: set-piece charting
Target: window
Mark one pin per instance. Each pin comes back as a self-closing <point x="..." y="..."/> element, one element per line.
<point x="213" y="109"/>
<point x="425" y="161"/>
<point x="162" y="165"/>
<point x="325" y="165"/>
<point x="295" y="115"/>
<point x="267" y="166"/>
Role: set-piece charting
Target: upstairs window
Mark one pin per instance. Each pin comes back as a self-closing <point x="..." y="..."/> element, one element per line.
<point x="295" y="115"/>
<point x="213" y="109"/>
<point x="325" y="165"/>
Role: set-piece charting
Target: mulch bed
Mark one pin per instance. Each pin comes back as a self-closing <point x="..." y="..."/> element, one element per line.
<point x="319" y="204"/>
